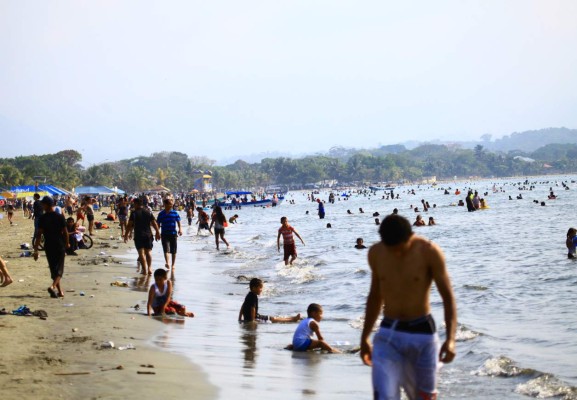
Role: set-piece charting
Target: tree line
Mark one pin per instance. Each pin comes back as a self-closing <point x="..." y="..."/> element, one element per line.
<point x="177" y="171"/>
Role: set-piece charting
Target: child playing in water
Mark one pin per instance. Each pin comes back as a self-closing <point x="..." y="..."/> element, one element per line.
<point x="360" y="244"/>
<point x="571" y="243"/>
<point x="290" y="249"/>
<point x="160" y="297"/>
<point x="203" y="219"/>
<point x="249" y="310"/>
<point x="303" y="337"/>
<point x="432" y="221"/>
<point x="189" y="215"/>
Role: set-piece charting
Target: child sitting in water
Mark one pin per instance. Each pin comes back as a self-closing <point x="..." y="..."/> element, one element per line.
<point x="160" y="297"/>
<point x="303" y="337"/>
<point x="360" y="244"/>
<point x="249" y="310"/>
<point x="571" y="243"/>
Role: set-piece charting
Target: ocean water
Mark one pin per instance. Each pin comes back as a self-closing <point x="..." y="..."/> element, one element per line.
<point x="516" y="294"/>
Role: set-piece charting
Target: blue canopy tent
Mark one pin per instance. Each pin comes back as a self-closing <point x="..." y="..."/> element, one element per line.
<point x="53" y="190"/>
<point x="97" y="190"/>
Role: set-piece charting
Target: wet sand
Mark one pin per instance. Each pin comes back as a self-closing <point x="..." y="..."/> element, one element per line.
<point x="61" y="357"/>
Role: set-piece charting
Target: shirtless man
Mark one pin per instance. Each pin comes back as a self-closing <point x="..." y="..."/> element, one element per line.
<point x="404" y="267"/>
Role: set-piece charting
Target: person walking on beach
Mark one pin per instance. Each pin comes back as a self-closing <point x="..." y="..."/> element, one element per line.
<point x="169" y="220"/>
<point x="140" y="221"/>
<point x="219" y="223"/>
<point x="122" y="213"/>
<point x="53" y="227"/>
<point x="405" y="352"/>
<point x="5" y="278"/>
<point x="289" y="245"/>
<point x="37" y="210"/>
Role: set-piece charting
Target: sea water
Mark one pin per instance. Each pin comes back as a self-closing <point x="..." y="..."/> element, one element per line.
<point x="516" y="293"/>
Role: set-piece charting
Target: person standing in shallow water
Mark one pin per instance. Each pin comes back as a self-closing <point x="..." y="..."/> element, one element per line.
<point x="170" y="229"/>
<point x="321" y="209"/>
<point x="405" y="348"/>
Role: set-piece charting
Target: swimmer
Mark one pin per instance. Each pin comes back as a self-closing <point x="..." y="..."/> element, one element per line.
<point x="349" y="212"/>
<point x="419" y="221"/>
<point x="329" y="226"/>
<point x="377" y="221"/>
<point x="376" y="214"/>
<point x="360" y="244"/>
<point x="232" y="220"/>
<point x="571" y="243"/>
<point x="396" y="211"/>
<point x="361" y="211"/>
<point x="432" y="221"/>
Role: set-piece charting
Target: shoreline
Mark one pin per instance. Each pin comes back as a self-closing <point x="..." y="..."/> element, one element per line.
<point x="61" y="357"/>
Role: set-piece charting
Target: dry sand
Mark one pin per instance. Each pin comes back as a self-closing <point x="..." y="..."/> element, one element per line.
<point x="60" y="357"/>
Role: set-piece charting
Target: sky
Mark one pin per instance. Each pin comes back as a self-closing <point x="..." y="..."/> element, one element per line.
<point x="119" y="79"/>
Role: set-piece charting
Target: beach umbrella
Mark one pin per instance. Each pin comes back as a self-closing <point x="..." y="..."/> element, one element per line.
<point x="7" y="195"/>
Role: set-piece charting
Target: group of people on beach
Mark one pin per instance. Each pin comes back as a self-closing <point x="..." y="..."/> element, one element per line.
<point x="405" y="351"/>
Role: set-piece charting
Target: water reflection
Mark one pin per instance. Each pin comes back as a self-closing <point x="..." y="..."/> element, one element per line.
<point x="141" y="283"/>
<point x="248" y="338"/>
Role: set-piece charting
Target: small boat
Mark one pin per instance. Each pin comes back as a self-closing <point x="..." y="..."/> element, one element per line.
<point x="245" y="201"/>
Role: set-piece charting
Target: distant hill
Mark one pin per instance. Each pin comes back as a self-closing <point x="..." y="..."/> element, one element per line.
<point x="530" y="141"/>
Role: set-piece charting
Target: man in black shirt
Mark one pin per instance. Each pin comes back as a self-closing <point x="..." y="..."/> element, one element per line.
<point x="140" y="221"/>
<point x="52" y="226"/>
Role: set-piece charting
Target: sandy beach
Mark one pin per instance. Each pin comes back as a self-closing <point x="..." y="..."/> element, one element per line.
<point x="61" y="357"/>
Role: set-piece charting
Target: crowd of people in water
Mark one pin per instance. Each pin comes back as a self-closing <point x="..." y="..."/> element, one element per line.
<point x="59" y="226"/>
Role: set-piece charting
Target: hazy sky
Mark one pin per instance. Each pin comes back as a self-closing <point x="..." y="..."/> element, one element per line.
<point x="120" y="78"/>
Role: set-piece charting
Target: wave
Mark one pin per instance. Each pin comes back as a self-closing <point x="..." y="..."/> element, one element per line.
<point x="502" y="367"/>
<point x="357" y="323"/>
<point x="465" y="334"/>
<point x="547" y="386"/>
<point x="298" y="274"/>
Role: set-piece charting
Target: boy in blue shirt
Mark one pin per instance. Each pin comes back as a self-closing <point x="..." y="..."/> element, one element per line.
<point x="169" y="220"/>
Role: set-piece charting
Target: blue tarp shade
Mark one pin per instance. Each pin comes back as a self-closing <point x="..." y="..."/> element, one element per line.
<point x="2" y="198"/>
<point x="97" y="190"/>
<point x="237" y="193"/>
<point x="41" y="188"/>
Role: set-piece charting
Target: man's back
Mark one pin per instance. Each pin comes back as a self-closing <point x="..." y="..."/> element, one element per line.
<point x="142" y="219"/>
<point x="404" y="277"/>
